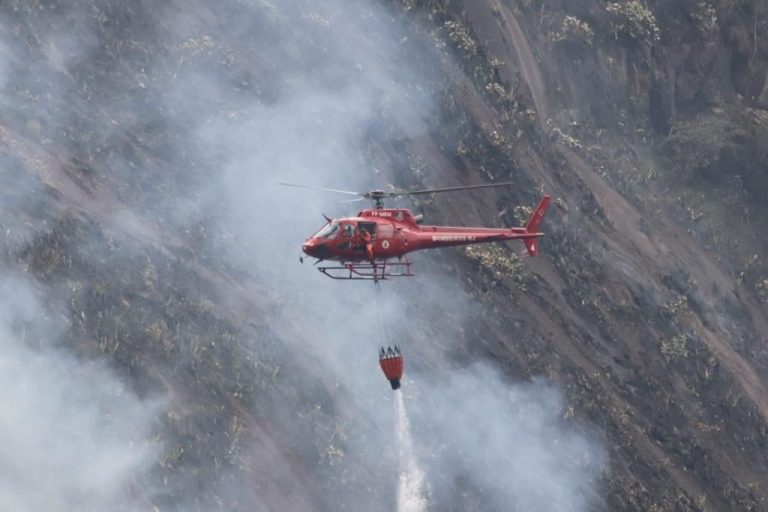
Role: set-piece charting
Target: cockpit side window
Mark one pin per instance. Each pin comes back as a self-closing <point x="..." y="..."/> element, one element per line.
<point x="348" y="231"/>
<point x="328" y="231"/>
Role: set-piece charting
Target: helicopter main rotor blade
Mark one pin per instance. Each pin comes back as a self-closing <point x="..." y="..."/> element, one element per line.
<point x="451" y="189"/>
<point x="378" y="196"/>
<point x="354" y="200"/>
<point x="322" y="189"/>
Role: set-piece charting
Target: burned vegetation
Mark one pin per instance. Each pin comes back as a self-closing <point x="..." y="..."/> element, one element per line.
<point x="137" y="142"/>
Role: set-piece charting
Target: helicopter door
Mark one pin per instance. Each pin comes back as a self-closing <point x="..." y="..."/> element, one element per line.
<point x="369" y="227"/>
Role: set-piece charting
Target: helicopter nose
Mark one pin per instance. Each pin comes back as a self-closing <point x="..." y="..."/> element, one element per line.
<point x="309" y="247"/>
<point x="315" y="249"/>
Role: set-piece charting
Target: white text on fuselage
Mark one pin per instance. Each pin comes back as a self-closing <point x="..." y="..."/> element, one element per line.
<point x="381" y="214"/>
<point x="453" y="238"/>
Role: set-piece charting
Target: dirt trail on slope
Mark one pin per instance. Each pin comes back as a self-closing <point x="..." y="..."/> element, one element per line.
<point x="509" y="41"/>
<point x="641" y="250"/>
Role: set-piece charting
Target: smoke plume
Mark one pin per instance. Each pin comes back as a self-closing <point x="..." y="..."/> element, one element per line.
<point x="186" y="117"/>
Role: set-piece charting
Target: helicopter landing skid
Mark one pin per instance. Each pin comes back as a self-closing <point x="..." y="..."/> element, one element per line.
<point x="379" y="270"/>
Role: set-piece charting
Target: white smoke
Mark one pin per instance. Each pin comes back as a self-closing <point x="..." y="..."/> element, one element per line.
<point x="74" y="437"/>
<point x="509" y="441"/>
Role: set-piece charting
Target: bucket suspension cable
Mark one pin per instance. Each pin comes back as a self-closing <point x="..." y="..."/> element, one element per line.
<point x="390" y="359"/>
<point x="380" y="320"/>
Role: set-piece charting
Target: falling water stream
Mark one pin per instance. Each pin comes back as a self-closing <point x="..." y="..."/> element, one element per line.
<point x="411" y="487"/>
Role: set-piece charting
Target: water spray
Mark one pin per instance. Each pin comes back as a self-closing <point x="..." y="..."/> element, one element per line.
<point x="411" y="485"/>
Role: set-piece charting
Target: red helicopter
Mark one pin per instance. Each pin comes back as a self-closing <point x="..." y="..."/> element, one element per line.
<point x="374" y="244"/>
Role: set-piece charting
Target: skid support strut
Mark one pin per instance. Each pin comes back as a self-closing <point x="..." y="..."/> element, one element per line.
<point x="379" y="270"/>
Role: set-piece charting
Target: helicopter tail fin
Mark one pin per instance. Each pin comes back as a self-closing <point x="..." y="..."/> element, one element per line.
<point x="537" y="215"/>
<point x="533" y="225"/>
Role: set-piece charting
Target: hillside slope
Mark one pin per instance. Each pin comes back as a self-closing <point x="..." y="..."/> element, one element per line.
<point x="156" y="315"/>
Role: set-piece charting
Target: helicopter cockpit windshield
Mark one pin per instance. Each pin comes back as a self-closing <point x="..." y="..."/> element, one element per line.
<point x="328" y="231"/>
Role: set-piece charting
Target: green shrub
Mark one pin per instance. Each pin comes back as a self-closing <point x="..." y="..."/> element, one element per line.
<point x="705" y="18"/>
<point x="635" y="21"/>
<point x="496" y="260"/>
<point x="675" y="348"/>
<point x="762" y="289"/>
<point x="574" y="30"/>
<point x="460" y="36"/>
